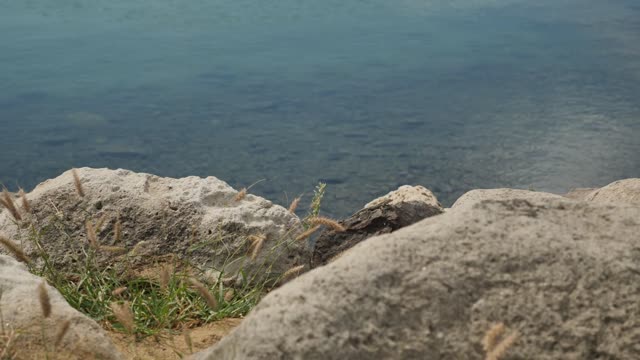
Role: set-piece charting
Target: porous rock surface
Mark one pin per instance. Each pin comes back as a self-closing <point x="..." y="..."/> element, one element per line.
<point x="22" y="314"/>
<point x="621" y="191"/>
<point x="198" y="218"/>
<point x="473" y="196"/>
<point x="564" y="274"/>
<point x="399" y="208"/>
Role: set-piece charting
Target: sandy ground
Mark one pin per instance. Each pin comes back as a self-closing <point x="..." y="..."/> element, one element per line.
<point x="169" y="346"/>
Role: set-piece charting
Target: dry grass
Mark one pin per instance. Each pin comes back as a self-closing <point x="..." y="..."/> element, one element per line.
<point x="241" y="194"/>
<point x="321" y="220"/>
<point x="119" y="291"/>
<point x="14" y="250"/>
<point x="293" y="272"/>
<point x="77" y="183"/>
<point x="164" y="278"/>
<point x="25" y="202"/>
<point x="206" y="295"/>
<point x="62" y="331"/>
<point x="257" y="241"/>
<point x="494" y="344"/>
<point x="294" y="205"/>
<point x="7" y="201"/>
<point x="117" y="231"/>
<point x="123" y="313"/>
<point x="152" y="307"/>
<point x="308" y="233"/>
<point x="45" y="301"/>
<point x="91" y="235"/>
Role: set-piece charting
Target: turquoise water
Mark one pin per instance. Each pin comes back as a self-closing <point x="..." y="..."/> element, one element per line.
<point x="363" y="95"/>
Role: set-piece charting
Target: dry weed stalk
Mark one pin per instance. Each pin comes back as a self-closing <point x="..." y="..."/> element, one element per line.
<point x="294" y="205"/>
<point x="320" y="220"/>
<point x="15" y="250"/>
<point x="43" y="298"/>
<point x="294" y="271"/>
<point x="494" y="347"/>
<point x="7" y="202"/>
<point x="77" y="183"/>
<point x="91" y="236"/>
<point x="241" y="194"/>
<point x="123" y="313"/>
<point x="308" y="233"/>
<point x="25" y="202"/>
<point x="62" y="332"/>
<point x="206" y="295"/>
<point x="256" y="244"/>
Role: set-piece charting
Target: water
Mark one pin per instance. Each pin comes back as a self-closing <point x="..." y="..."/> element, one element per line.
<point x="365" y="95"/>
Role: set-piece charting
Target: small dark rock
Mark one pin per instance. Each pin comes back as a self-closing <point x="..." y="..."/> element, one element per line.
<point x="398" y="209"/>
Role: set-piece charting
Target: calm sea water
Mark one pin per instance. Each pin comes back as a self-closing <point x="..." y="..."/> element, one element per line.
<point x="365" y="95"/>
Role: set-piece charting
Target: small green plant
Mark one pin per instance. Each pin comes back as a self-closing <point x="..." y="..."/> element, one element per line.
<point x="318" y="194"/>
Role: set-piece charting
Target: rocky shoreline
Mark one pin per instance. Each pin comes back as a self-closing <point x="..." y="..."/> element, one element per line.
<point x="405" y="278"/>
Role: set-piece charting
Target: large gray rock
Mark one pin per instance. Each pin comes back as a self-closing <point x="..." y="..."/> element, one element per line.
<point x="22" y="314"/>
<point x="399" y="208"/>
<point x="565" y="274"/>
<point x="199" y="218"/>
<point x="474" y="196"/>
<point x="621" y="191"/>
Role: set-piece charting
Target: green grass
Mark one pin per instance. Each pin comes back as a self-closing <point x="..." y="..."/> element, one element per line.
<point x="89" y="284"/>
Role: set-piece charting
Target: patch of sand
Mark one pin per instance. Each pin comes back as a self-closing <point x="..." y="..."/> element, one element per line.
<point x="169" y="346"/>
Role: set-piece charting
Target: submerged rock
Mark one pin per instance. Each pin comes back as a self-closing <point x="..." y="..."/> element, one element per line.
<point x="203" y="220"/>
<point x="22" y="315"/>
<point x="564" y="274"/>
<point x="399" y="208"/>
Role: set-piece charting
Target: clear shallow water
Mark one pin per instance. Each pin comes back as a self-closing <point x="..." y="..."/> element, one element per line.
<point x="364" y="95"/>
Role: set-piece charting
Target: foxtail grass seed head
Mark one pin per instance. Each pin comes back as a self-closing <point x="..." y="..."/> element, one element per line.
<point x="113" y="249"/>
<point x="91" y="236"/>
<point x="206" y="295"/>
<point x="164" y="278"/>
<point x="117" y="231"/>
<point x="123" y="314"/>
<point x="491" y="337"/>
<point x="14" y="250"/>
<point x="229" y="294"/>
<point x="293" y="272"/>
<point x="502" y="347"/>
<point x="100" y="222"/>
<point x="43" y="298"/>
<point x="25" y="202"/>
<point x="139" y="246"/>
<point x="119" y="291"/>
<point x="320" y="220"/>
<point x="241" y="194"/>
<point x="64" y="328"/>
<point x="187" y="340"/>
<point x="256" y="245"/>
<point x="308" y="233"/>
<point x="7" y="202"/>
<point x="77" y="183"/>
<point x="294" y="205"/>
